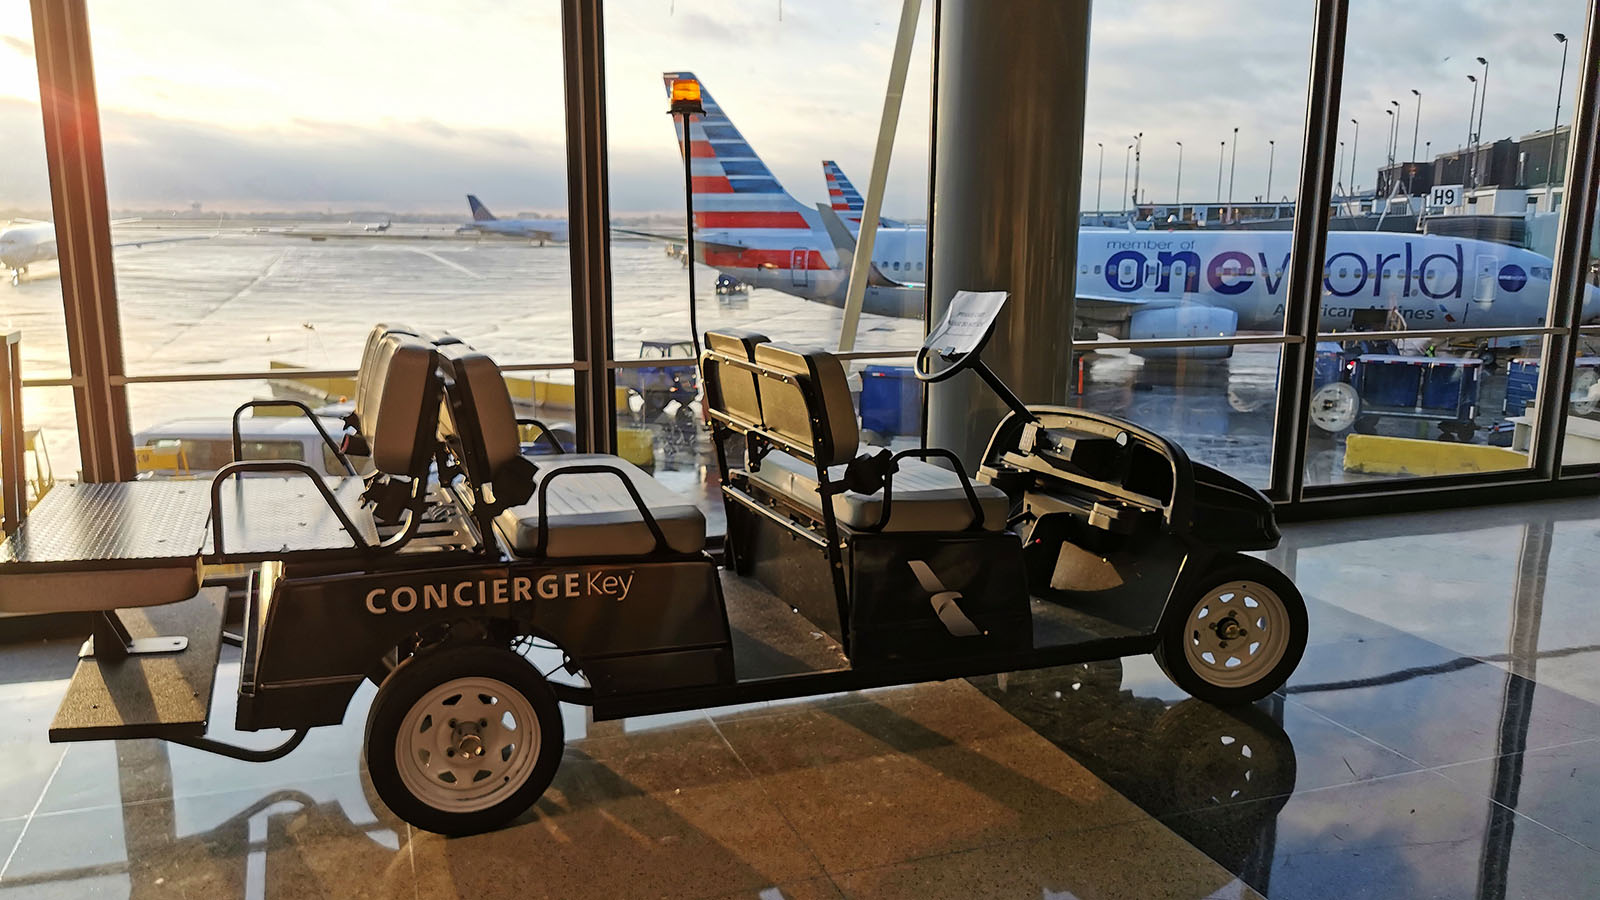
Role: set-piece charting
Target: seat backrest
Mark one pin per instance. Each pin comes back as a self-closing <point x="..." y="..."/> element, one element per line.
<point x="817" y="374"/>
<point x="730" y="390"/>
<point x="481" y="417"/>
<point x="363" y="399"/>
<point x="402" y="404"/>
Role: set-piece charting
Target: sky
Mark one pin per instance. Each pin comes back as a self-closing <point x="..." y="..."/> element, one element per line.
<point x="407" y="106"/>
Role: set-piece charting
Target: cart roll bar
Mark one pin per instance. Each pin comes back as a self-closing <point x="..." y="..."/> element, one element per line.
<point x="545" y="433"/>
<point x="924" y="453"/>
<point x="238" y="444"/>
<point x="594" y="469"/>
<point x="276" y="465"/>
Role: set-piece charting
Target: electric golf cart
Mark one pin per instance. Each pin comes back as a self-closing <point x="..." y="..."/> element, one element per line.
<point x="1082" y="538"/>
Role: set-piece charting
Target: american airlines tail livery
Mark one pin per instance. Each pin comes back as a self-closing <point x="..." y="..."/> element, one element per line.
<point x="1143" y="284"/>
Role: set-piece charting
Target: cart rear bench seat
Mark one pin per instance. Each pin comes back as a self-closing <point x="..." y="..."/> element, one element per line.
<point x="567" y="505"/>
<point x="101" y="547"/>
<point x="781" y="393"/>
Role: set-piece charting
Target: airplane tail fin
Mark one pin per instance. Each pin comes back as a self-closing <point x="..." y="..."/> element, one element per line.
<point x="734" y="191"/>
<point x="842" y="195"/>
<point x="480" y="213"/>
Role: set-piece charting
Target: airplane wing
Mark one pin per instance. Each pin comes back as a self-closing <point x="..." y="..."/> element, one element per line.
<point x="165" y="240"/>
<point x="712" y="240"/>
<point x="846" y="245"/>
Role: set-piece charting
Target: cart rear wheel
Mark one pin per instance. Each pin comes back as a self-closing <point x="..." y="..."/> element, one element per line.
<point x="464" y="739"/>
<point x="1236" y="634"/>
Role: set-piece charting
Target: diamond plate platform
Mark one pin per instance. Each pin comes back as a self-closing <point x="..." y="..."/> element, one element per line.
<point x="163" y="696"/>
<point x="125" y="524"/>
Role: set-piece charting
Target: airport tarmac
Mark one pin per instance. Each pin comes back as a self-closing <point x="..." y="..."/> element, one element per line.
<point x="249" y="299"/>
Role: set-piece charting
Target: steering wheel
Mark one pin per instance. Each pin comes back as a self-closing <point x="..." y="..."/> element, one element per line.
<point x="923" y="367"/>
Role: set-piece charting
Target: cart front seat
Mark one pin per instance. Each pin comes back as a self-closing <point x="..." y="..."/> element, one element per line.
<point x="588" y="513"/>
<point x="922" y="496"/>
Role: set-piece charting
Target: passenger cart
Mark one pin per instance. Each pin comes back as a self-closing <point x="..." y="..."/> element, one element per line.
<point x="1081" y="538"/>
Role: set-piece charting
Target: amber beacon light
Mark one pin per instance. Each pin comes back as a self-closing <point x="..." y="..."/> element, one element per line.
<point x="686" y="96"/>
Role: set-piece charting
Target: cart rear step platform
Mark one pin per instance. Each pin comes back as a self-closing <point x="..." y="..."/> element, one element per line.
<point x="158" y="696"/>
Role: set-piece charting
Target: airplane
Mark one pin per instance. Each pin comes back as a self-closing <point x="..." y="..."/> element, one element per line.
<point x="379" y="229"/>
<point x="485" y="222"/>
<point x="31" y="241"/>
<point x="1146" y="284"/>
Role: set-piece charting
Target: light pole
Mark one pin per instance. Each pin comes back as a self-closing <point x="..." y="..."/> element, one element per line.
<point x="1126" y="157"/>
<point x="1394" y="134"/>
<point x="686" y="103"/>
<point x="1222" y="149"/>
<point x="1231" y="166"/>
<point x="1342" y="181"/>
<point x="1138" y="150"/>
<point x="1550" y="167"/>
<point x="1416" y="124"/>
<point x="1099" y="179"/>
<point x="1469" y="163"/>
<point x="1483" y="101"/>
<point x="1388" y="170"/>
<point x="1272" y="152"/>
<point x="1177" y="195"/>
<point x="1355" y="144"/>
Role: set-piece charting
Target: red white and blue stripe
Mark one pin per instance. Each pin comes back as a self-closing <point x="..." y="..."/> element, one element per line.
<point x="737" y="197"/>
<point x="842" y="195"/>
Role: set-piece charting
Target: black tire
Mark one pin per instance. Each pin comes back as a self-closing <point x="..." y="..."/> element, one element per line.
<point x="1366" y="425"/>
<point x="1176" y="633"/>
<point x="411" y="683"/>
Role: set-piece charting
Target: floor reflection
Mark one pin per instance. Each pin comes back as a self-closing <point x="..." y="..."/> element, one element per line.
<point x="1441" y="738"/>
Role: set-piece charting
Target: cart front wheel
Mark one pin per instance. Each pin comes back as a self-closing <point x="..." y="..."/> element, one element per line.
<point x="1237" y="636"/>
<point x="463" y="739"/>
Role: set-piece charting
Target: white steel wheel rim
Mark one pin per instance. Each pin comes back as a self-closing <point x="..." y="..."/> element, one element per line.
<point x="1236" y="634"/>
<point x="1583" y="401"/>
<point x="481" y="759"/>
<point x="1334" y="406"/>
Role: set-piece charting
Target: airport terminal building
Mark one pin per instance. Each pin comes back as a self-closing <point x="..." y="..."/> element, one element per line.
<point x="712" y="449"/>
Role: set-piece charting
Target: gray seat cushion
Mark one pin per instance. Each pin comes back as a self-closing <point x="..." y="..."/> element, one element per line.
<point x="592" y="515"/>
<point x="925" y="497"/>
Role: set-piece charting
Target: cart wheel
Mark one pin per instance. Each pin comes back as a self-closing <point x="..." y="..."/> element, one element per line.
<point x="1335" y="406"/>
<point x="1239" y="637"/>
<point x="464" y="739"/>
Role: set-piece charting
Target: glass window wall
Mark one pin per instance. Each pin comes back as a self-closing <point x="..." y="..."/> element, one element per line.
<point x="1189" y="238"/>
<point x="1437" y="284"/>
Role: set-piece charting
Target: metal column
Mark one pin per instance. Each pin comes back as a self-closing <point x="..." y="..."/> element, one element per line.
<point x="588" y="215"/>
<point x="1009" y="143"/>
<point x="1574" y="232"/>
<point x="1304" y="288"/>
<point x="83" y="237"/>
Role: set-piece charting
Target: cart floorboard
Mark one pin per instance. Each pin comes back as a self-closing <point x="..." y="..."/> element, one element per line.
<point x="164" y="695"/>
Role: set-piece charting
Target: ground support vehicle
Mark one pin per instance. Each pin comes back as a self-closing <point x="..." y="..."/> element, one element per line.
<point x="1357" y="390"/>
<point x="434" y="575"/>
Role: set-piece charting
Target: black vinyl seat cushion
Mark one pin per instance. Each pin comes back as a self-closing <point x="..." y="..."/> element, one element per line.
<point x="924" y="497"/>
<point x="592" y="515"/>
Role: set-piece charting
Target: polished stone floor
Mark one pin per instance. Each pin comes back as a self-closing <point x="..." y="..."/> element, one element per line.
<point x="1441" y="739"/>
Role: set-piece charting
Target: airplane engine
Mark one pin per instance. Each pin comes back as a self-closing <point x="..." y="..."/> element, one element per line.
<point x="1184" y="322"/>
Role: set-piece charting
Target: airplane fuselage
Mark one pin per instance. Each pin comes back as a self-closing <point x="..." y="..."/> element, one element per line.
<point x="23" y="245"/>
<point x="1428" y="281"/>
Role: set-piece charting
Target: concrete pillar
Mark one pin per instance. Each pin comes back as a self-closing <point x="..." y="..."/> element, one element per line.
<point x="1009" y="140"/>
